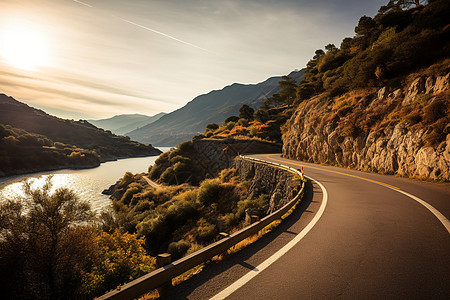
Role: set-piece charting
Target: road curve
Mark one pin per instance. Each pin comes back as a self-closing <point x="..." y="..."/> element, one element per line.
<point x="372" y="242"/>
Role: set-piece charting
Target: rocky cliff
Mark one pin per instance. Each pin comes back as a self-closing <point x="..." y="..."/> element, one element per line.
<point x="267" y="179"/>
<point x="403" y="131"/>
<point x="219" y="154"/>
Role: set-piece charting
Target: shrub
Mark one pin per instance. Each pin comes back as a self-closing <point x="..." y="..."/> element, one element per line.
<point x="132" y="189"/>
<point x="178" y="249"/>
<point x="45" y="239"/>
<point x="205" y="231"/>
<point x="229" y="175"/>
<point x="119" y="257"/>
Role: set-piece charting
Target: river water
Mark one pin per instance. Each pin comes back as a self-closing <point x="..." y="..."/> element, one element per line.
<point x="88" y="184"/>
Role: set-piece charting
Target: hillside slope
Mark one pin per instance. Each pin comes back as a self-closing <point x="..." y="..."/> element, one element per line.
<point x="50" y="142"/>
<point x="214" y="107"/>
<point x="382" y="101"/>
<point x="122" y="124"/>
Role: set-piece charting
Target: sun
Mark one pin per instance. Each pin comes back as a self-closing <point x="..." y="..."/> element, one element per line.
<point x="23" y="47"/>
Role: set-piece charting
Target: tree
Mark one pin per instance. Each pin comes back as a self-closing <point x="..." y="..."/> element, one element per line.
<point x="246" y="112"/>
<point x="330" y="47"/>
<point x="288" y="90"/>
<point x="231" y="119"/>
<point x="365" y="26"/>
<point x="400" y="5"/>
<point x="44" y="242"/>
<point x="318" y="53"/>
<point x="118" y="257"/>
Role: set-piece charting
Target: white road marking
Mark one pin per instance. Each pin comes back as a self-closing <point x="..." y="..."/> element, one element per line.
<point x="431" y="208"/>
<point x="247" y="277"/>
<point x="428" y="206"/>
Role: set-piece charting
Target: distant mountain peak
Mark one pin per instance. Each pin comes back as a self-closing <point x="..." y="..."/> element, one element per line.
<point x="122" y="124"/>
<point x="212" y="107"/>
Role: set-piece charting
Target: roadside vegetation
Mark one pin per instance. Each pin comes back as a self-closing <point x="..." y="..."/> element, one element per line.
<point x="51" y="247"/>
<point x="181" y="219"/>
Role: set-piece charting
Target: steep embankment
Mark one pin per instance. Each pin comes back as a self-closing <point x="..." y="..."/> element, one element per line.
<point x="403" y="130"/>
<point x="193" y="161"/>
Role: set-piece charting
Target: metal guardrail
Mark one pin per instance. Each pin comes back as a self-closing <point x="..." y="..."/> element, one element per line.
<point x="165" y="274"/>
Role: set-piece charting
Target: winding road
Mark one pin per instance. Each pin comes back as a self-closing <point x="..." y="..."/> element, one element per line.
<point x="355" y="235"/>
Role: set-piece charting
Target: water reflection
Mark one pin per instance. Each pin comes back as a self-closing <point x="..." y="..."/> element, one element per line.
<point x="87" y="184"/>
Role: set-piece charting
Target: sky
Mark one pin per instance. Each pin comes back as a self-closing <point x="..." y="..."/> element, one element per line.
<point x="94" y="59"/>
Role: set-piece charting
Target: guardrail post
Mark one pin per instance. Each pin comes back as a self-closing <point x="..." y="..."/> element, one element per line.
<point x="251" y="217"/>
<point x="161" y="261"/>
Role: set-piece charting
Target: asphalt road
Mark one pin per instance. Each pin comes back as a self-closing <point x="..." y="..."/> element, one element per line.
<point x="371" y="242"/>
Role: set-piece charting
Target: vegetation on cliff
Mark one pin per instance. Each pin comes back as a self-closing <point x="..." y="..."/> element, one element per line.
<point x="396" y="42"/>
<point x="179" y="165"/>
<point x="263" y="124"/>
<point x="378" y="102"/>
<point x="381" y="101"/>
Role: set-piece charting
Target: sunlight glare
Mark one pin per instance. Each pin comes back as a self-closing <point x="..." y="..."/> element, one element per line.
<point x="22" y="46"/>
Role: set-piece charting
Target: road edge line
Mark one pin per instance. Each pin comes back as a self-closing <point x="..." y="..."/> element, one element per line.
<point x="262" y="266"/>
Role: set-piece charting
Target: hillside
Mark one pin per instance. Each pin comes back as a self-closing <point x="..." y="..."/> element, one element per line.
<point x="32" y="140"/>
<point x="380" y="102"/>
<point x="122" y="124"/>
<point x="214" y="107"/>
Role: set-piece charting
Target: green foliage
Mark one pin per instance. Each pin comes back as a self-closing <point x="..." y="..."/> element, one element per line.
<point x="246" y="112"/>
<point x="132" y="189"/>
<point x="168" y="215"/>
<point x="385" y="47"/>
<point x="212" y="126"/>
<point x="23" y="151"/>
<point x="205" y="231"/>
<point x="178" y="166"/>
<point x="44" y="243"/>
<point x="233" y="119"/>
<point x="159" y="227"/>
<point x="117" y="258"/>
<point x="178" y="249"/>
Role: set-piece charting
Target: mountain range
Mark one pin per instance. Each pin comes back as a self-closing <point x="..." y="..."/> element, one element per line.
<point x="213" y="107"/>
<point x="122" y="124"/>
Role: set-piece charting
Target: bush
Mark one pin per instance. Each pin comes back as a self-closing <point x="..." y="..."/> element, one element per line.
<point x="44" y="243"/>
<point x="132" y="189"/>
<point x="119" y="258"/>
<point x="205" y="231"/>
<point x="178" y="249"/>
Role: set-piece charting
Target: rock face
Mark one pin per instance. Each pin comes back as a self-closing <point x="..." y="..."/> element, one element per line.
<point x="266" y="179"/>
<point x="219" y="154"/>
<point x="396" y="148"/>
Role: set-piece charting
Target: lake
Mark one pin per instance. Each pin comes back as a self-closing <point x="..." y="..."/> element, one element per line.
<point x="88" y="184"/>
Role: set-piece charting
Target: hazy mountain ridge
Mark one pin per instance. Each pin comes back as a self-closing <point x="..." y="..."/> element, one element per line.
<point x="213" y="107"/>
<point x="122" y="124"/>
<point x="32" y="140"/>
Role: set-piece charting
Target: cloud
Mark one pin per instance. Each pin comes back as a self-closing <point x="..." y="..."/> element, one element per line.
<point x="152" y="57"/>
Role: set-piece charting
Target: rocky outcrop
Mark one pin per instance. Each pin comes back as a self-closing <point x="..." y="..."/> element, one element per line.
<point x="270" y="180"/>
<point x="426" y="85"/>
<point x="219" y="154"/>
<point x="390" y="148"/>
